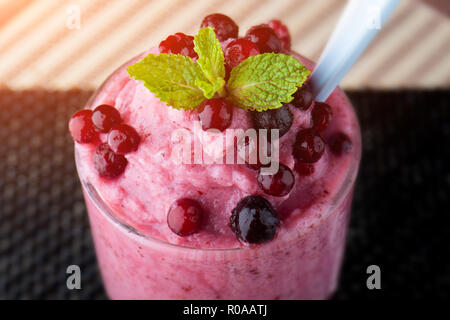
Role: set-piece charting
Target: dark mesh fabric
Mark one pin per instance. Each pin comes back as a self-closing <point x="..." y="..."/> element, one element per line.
<point x="400" y="212"/>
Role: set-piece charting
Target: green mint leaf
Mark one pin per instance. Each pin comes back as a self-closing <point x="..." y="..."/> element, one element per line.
<point x="172" y="78"/>
<point x="210" y="59"/>
<point x="265" y="81"/>
<point x="207" y="88"/>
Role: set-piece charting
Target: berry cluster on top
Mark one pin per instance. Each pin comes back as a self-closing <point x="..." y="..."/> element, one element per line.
<point x="253" y="220"/>
<point x="216" y="113"/>
<point x="109" y="160"/>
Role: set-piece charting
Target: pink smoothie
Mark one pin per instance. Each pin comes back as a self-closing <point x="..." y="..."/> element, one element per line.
<point x="141" y="258"/>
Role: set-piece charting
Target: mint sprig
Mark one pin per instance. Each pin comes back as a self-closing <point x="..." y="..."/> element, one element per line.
<point x="172" y="78"/>
<point x="211" y="60"/>
<point x="265" y="81"/>
<point x="259" y="83"/>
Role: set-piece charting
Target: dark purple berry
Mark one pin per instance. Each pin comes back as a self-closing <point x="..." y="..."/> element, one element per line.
<point x="185" y="217"/>
<point x="254" y="220"/>
<point x="340" y="143"/>
<point x="321" y="115"/>
<point x="280" y="119"/>
<point x="303" y="97"/>
<point x="278" y="184"/>
<point x="107" y="163"/>
<point x="309" y="146"/>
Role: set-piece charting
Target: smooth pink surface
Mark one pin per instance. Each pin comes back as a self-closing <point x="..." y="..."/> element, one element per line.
<point x="301" y="262"/>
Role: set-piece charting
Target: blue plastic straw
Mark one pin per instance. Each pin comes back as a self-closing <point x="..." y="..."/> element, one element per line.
<point x="358" y="25"/>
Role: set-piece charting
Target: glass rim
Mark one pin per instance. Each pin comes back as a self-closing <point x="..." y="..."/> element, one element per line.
<point x="108" y="212"/>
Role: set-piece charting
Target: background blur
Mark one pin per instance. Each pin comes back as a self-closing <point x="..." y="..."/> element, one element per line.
<point x="54" y="53"/>
<point x="77" y="43"/>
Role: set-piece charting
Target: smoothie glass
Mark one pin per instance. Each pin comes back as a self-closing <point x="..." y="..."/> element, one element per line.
<point x="304" y="265"/>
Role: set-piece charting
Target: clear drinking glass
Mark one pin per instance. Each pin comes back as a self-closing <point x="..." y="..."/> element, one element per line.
<point x="137" y="266"/>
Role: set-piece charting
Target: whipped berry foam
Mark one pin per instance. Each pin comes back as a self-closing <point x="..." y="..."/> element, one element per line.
<point x="152" y="181"/>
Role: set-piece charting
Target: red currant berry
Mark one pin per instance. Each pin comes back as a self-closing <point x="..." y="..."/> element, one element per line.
<point x="185" y="217"/>
<point x="282" y="32"/>
<point x="215" y="113"/>
<point x="81" y="127"/>
<point x="254" y="220"/>
<point x="265" y="38"/>
<point x="178" y="43"/>
<point x="278" y="184"/>
<point x="303" y="97"/>
<point x="321" y="115"/>
<point x="123" y="139"/>
<point x="104" y="117"/>
<point x="237" y="51"/>
<point x="224" y="26"/>
<point x="309" y="146"/>
<point x="304" y="169"/>
<point x="107" y="163"/>
<point x="340" y="143"/>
